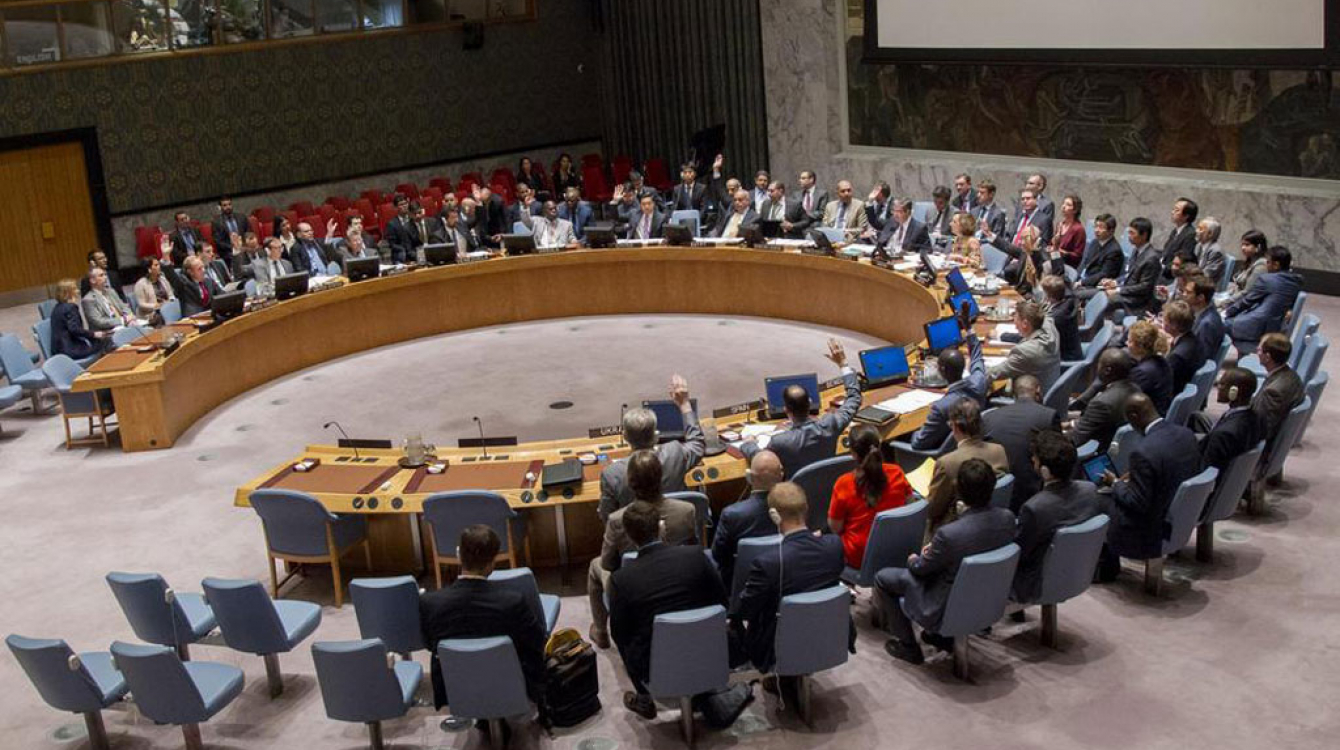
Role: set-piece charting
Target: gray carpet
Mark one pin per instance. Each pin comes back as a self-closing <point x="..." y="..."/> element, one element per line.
<point x="1239" y="653"/>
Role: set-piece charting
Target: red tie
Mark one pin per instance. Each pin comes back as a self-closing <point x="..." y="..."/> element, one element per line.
<point x="204" y="294"/>
<point x="1023" y="224"/>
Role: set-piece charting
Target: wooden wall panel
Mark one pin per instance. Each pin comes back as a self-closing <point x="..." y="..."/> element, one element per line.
<point x="44" y="184"/>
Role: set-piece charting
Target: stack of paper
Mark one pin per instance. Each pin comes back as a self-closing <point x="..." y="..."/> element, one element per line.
<point x="863" y="248"/>
<point x="639" y="243"/>
<point x="761" y="433"/>
<point x="784" y="242"/>
<point x="906" y="403"/>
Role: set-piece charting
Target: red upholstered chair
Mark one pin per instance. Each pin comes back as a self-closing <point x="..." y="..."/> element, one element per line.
<point x="502" y="191"/>
<point x="621" y="166"/>
<point x="206" y="231"/>
<point x="503" y="176"/>
<point x="374" y="197"/>
<point x="592" y="160"/>
<point x="146" y="245"/>
<point x="292" y="217"/>
<point x="468" y="179"/>
<point x="303" y="208"/>
<point x="260" y="230"/>
<point x="430" y="204"/>
<point x="435" y="193"/>
<point x="441" y="183"/>
<point x="327" y="212"/>
<point x="385" y="212"/>
<point x="338" y="202"/>
<point x="594" y="187"/>
<point x="408" y="189"/>
<point x="365" y="207"/>
<point x="264" y="214"/>
<point x="658" y="176"/>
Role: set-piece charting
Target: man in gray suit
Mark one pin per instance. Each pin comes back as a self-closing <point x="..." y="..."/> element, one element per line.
<point x="809" y="440"/>
<point x="1282" y="389"/>
<point x="677" y="457"/>
<point x="923" y="586"/>
<point x="104" y="310"/>
<point x="1014" y="427"/>
<point x="1038" y="354"/>
<point x="1103" y="406"/>
<point x="272" y="266"/>
<point x="678" y="526"/>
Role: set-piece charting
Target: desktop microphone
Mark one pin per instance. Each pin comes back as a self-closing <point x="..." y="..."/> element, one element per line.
<point x="327" y="426"/>
<point x="482" y="443"/>
<point x="622" y="408"/>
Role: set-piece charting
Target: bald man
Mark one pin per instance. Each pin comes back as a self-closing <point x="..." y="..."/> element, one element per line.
<point x="846" y="213"/>
<point x="748" y="517"/>
<point x="741" y="215"/>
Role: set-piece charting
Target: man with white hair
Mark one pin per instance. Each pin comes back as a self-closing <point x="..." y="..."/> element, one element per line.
<point x="741" y="215"/>
<point x="677" y="457"/>
<point x="193" y="288"/>
<point x="1209" y="257"/>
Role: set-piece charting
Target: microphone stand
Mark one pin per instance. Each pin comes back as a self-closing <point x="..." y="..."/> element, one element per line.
<point x="622" y="408"/>
<point x="482" y="443"/>
<point x="327" y="426"/>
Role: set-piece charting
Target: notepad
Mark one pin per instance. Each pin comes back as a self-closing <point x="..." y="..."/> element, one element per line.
<point x="910" y="401"/>
<point x="920" y="478"/>
<point x="783" y="242"/>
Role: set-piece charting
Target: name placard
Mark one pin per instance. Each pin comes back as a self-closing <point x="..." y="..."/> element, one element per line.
<point x="737" y="409"/>
<point x="837" y="382"/>
<point x="606" y="431"/>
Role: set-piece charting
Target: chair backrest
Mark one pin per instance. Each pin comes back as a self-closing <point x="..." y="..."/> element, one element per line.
<point x="1004" y="491"/>
<point x="1278" y="449"/>
<point x="448" y="513"/>
<point x="144" y="600"/>
<point x="388" y="609"/>
<point x="126" y="335"/>
<point x="1094" y="309"/>
<point x="246" y="615"/>
<point x="45" y="307"/>
<point x="817" y="480"/>
<point x="1296" y="315"/>
<point x="1298" y="341"/>
<point x="333" y="269"/>
<point x="1230" y="266"/>
<point x="812" y="631"/>
<point x="1232" y="482"/>
<point x="483" y="677"/>
<point x="1315" y="387"/>
<point x="980" y="591"/>
<point x="357" y="683"/>
<point x="1100" y="341"/>
<point x="1058" y="396"/>
<point x="1124" y="443"/>
<point x="1187" y="504"/>
<point x="295" y="522"/>
<point x="163" y="690"/>
<point x="47" y="662"/>
<point x="60" y="372"/>
<point x="894" y="535"/>
<point x="746" y="551"/>
<point x="994" y="260"/>
<point x="171" y="311"/>
<point x="42" y="333"/>
<point x="688" y="652"/>
<point x="702" y="507"/>
<point x="14" y="357"/>
<point x="1311" y="359"/>
<point x="688" y="217"/>
<point x="252" y="288"/>
<point x="519" y="227"/>
<point x="1067" y="568"/>
<point x="1185" y="402"/>
<point x="1203" y="381"/>
<point x="523" y="580"/>
<point x="1224" y="346"/>
<point x="921" y="210"/>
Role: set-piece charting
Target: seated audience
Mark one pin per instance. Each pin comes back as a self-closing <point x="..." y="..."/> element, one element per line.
<point x="103" y="309"/>
<point x="877" y="207"/>
<point x="355" y="247"/>
<point x="964" y="198"/>
<point x="215" y="268"/>
<point x="1133" y="292"/>
<point x="1265" y="306"/>
<point x="247" y="252"/>
<point x="1209" y="257"/>
<point x="950" y="363"/>
<point x="778" y="207"/>
<point x="551" y="230"/>
<point x="490" y="219"/>
<point x="576" y="211"/>
<point x="527" y="206"/>
<point x="68" y="334"/>
<point x="990" y="217"/>
<point x="937" y="221"/>
<point x="1031" y="213"/>
<point x="98" y="259"/>
<point x="425" y="229"/>
<point x="732" y="223"/>
<point x="1103" y="257"/>
<point x="1103" y="406"/>
<point x="1063" y="310"/>
<point x="565" y="176"/>
<point x="1282" y="389"/>
<point x="624" y="203"/>
<point x="193" y="288"/>
<point x="1209" y="328"/>
<point x="1062" y="501"/>
<point x="457" y="233"/>
<point x="1014" y="426"/>
<point x="748" y="517"/>
<point x="664" y="578"/>
<point x="528" y="175"/>
<point x="1184" y="355"/>
<point x="1239" y="429"/>
<point x="870" y="489"/>
<point x="806" y="440"/>
<point x="152" y="291"/>
<point x="845" y="213"/>
<point x="812" y="198"/>
<point x="311" y="256"/>
<point x="647" y="223"/>
<point x="1151" y="371"/>
<point x="1029" y="259"/>
<point x="965" y="419"/>
<point x="283" y="229"/>
<point x="1182" y="239"/>
<point x="760" y="192"/>
<point x="1253" y="248"/>
<point x="1038" y="184"/>
<point x="676" y="456"/>
<point x="923" y="586"/>
<point x="1038" y="353"/>
<point x="964" y="247"/>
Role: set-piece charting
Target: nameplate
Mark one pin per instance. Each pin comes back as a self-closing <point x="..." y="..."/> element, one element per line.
<point x="837" y="382"/>
<point x="606" y="431"/>
<point x="737" y="409"/>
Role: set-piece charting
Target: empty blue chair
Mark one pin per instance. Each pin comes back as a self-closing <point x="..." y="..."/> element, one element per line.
<point x="1230" y="266"/>
<point x="703" y="508"/>
<point x="688" y="657"/>
<point x="1310" y="362"/>
<point x="1297" y="342"/>
<point x="171" y="311"/>
<point x="45" y="307"/>
<point x="1203" y="381"/>
<point x="360" y="681"/>
<point x="253" y="623"/>
<point x="1058" y="396"/>
<point x="1181" y="519"/>
<point x="1224" y="346"/>
<point x="448" y="513"/>
<point x="993" y="260"/>
<point x="1315" y="387"/>
<point x="746" y="552"/>
<point x="519" y="227"/>
<point x="298" y="528"/>
<point x="9" y="395"/>
<point x="160" y="615"/>
<point x="388" y="609"/>
<point x="1004" y="491"/>
<point x="20" y="371"/>
<point x="812" y="633"/>
<point x="1067" y="568"/>
<point x="1228" y="490"/>
<point x="545" y="606"/>
<point x="170" y="691"/>
<point x="1184" y="403"/>
<point x="1296" y="314"/>
<point x="689" y="218"/>
<point x="60" y="372"/>
<point x="484" y="681"/>
<point x="921" y="211"/>
<point x="1095" y="312"/>
<point x="977" y="599"/>
<point x="1277" y="450"/>
<point x="817" y="481"/>
<point x="895" y="534"/>
<point x="83" y="684"/>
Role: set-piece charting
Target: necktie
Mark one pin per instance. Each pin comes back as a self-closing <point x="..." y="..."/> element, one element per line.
<point x="1023" y="224"/>
<point x="232" y="225"/>
<point x="188" y="238"/>
<point x="204" y="294"/>
<point x="808" y="203"/>
<point x="898" y="237"/>
<point x="841" y="220"/>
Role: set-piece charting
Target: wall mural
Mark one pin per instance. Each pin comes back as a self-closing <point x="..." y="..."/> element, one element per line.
<point x="1280" y="122"/>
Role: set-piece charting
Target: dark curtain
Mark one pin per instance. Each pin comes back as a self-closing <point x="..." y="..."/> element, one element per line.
<point x="675" y="67"/>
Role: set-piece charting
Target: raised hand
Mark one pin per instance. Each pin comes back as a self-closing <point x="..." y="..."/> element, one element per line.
<point x="679" y="390"/>
<point x="836" y="353"/>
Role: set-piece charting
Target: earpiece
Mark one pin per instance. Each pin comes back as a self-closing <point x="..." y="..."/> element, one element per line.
<point x="749" y="476"/>
<point x="775" y="516"/>
<point x="1232" y="393"/>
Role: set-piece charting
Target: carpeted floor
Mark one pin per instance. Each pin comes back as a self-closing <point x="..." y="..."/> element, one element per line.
<point x="1239" y="653"/>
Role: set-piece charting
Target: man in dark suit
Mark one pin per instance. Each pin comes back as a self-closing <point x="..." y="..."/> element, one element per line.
<point x="1239" y="429"/>
<point x="397" y="233"/>
<point x="526" y="206"/>
<point x="1030" y="214"/>
<point x="309" y="255"/>
<point x="689" y="194"/>
<point x="227" y="224"/>
<point x="457" y="233"/>
<point x="1184" y="356"/>
<point x="1283" y="389"/>
<point x="1103" y="406"/>
<point x="759" y="193"/>
<point x="1263" y="308"/>
<point x="1133" y="292"/>
<point x="1062" y="501"/>
<point x="811" y="198"/>
<point x="923" y="586"/>
<point x="989" y="215"/>
<point x="1182" y="239"/>
<point x="903" y="234"/>
<point x="950" y="361"/>
<point x="1062" y="307"/>
<point x="741" y="214"/>
<point x="749" y="517"/>
<point x="215" y="268"/>
<point x="624" y="204"/>
<point x="490" y="220"/>
<point x="425" y="229"/>
<point x="808" y="440"/>
<point x="245" y="255"/>
<point x="802" y="562"/>
<point x="185" y="240"/>
<point x="1167" y="456"/>
<point x="193" y="288"/>
<point x="577" y="211"/>
<point x="1014" y="427"/>
<point x="1038" y="184"/>
<point x="647" y="223"/>
<point x="664" y="578"/>
<point x="778" y="207"/>
<point x="878" y="207"/>
<point x="472" y="607"/>
<point x="1209" y="328"/>
<point x="964" y="198"/>
<point x="941" y="211"/>
<point x="98" y="259"/>
<point x="1102" y="257"/>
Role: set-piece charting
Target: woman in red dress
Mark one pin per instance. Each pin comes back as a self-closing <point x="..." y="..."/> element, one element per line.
<point x="1070" y="238"/>
<point x="872" y="488"/>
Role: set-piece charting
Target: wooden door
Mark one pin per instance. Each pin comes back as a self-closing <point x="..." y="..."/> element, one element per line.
<point x="46" y="216"/>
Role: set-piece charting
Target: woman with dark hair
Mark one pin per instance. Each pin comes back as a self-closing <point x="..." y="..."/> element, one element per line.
<point x="283" y="229"/>
<point x="870" y="489"/>
<point x="565" y="176"/>
<point x="1253" y="264"/>
<point x="526" y="172"/>
<point x="1069" y="237"/>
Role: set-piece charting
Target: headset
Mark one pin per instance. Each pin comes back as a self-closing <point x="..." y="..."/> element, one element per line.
<point x="1232" y="393"/>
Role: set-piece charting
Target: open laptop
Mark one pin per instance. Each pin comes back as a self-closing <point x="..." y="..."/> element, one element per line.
<point x="439" y="253"/>
<point x="957" y="284"/>
<point x="291" y="285"/>
<point x="943" y="334"/>
<point x="677" y="234"/>
<point x="227" y="306"/>
<point x="669" y="420"/>
<point x="771" y="228"/>
<point x="358" y="269"/>
<point x="600" y="236"/>
<point x="885" y="365"/>
<point x="519" y="244"/>
<point x="775" y="387"/>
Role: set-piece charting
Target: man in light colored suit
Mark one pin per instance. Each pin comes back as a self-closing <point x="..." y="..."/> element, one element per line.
<point x="1038" y="354"/>
<point x="104" y="310"/>
<point x="846" y="213"/>
<point x="552" y="231"/>
<point x="272" y="266"/>
<point x="678" y="526"/>
<point x="677" y="456"/>
<point x="732" y="222"/>
<point x="965" y="420"/>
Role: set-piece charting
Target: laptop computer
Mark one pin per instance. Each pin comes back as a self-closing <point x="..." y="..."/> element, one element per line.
<point x="519" y="244"/>
<point x="291" y="285"/>
<point x="957" y="301"/>
<point x="775" y="388"/>
<point x="669" y="420"/>
<point x="957" y="284"/>
<point x="600" y="236"/>
<point x="885" y="365"/>
<point x="358" y="269"/>
<point x="680" y="235"/>
<point x="771" y="228"/>
<point x="227" y="306"/>
<point x="943" y="334"/>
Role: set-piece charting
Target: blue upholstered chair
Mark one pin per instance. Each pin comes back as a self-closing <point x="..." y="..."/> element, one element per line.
<point x="909" y="458"/>
<point x="251" y="288"/>
<point x="690" y="218"/>
<point x="1224" y="346"/>
<point x="299" y="529"/>
<point x="448" y="513"/>
<point x="545" y="606"/>
<point x="1058" y="396"/>
<point x="19" y="369"/>
<point x="171" y="311"/>
<point x="1296" y="314"/>
<point x="1179" y="411"/>
<point x="333" y="269"/>
<point x="484" y="681"/>
<point x="388" y="609"/>
<point x="1223" y="502"/>
<point x="812" y="633"/>
<point x="170" y="691"/>
<point x="1314" y="388"/>
<point x="83" y="684"/>
<point x="123" y="336"/>
<point x="1298" y="343"/>
<point x="977" y="599"/>
<point x="519" y="227"/>
<point x="1095" y="312"/>
<point x="253" y="623"/>
<point x="703" y="508"/>
<point x="746" y="551"/>
<point x="994" y="260"/>
<point x="1203" y="381"/>
<point x="45" y="307"/>
<point x="60" y="372"/>
<point x="1067" y="568"/>
<point x="160" y="615"/>
<point x="1124" y="443"/>
<point x="1004" y="492"/>
<point x="9" y="395"/>
<point x="1230" y="266"/>
<point x="1277" y="450"/>
<point x="362" y="682"/>
<point x="688" y="656"/>
<point x="1183" y="514"/>
<point x="817" y="481"/>
<point x="894" y="534"/>
<point x="921" y="210"/>
<point x="1310" y="362"/>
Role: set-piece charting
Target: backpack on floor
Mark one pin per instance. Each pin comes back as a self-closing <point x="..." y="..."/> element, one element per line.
<point x="572" y="688"/>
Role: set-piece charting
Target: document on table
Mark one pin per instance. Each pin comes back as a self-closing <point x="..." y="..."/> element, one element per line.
<point x="906" y="403"/>
<point x="785" y="242"/>
<point x="862" y="248"/>
<point x="316" y="281"/>
<point x="639" y="243"/>
<point x="920" y="478"/>
<point x="761" y="433"/>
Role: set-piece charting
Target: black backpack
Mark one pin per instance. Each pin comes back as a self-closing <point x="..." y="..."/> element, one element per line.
<point x="572" y="687"/>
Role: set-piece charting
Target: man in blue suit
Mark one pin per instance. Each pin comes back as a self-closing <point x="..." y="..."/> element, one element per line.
<point x="1208" y="329"/>
<point x="1133" y="292"/>
<point x="936" y="427"/>
<point x="1262" y="309"/>
<point x="1168" y="456"/>
<point x="748" y="517"/>
<point x="577" y="211"/>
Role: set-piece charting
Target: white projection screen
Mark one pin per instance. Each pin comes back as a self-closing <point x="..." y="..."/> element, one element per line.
<point x="1237" y="33"/>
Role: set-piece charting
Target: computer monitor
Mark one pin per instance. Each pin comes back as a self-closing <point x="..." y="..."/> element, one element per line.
<point x="943" y="334"/>
<point x="358" y="269"/>
<point x="291" y="285"/>
<point x="956" y="303"/>
<point x="600" y="236"/>
<point x="771" y="228"/>
<point x="669" y="420"/>
<point x="679" y="235"/>
<point x="957" y="284"/>
<point x="927" y="264"/>
<point x="775" y="388"/>
<point x="753" y="236"/>
<point x="439" y="253"/>
<point x="885" y="365"/>
<point x="226" y="306"/>
<point x="519" y="244"/>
